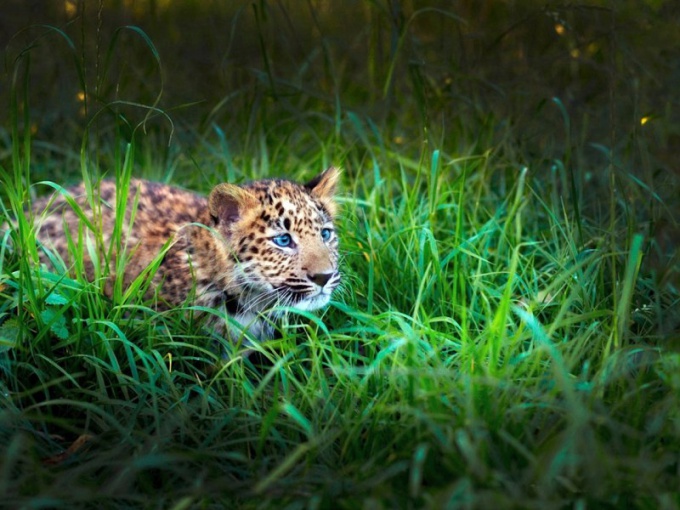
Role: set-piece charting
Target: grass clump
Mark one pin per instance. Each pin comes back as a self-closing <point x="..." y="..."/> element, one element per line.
<point x="505" y="336"/>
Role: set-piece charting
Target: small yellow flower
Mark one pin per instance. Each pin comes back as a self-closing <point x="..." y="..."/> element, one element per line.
<point x="70" y="7"/>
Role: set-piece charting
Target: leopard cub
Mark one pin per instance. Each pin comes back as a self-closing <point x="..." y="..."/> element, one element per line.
<point x="244" y="249"/>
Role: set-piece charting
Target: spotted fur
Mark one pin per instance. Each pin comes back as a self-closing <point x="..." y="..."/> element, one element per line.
<point x="224" y="250"/>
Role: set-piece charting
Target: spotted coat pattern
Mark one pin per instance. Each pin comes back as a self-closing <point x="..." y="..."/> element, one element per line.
<point x="244" y="249"/>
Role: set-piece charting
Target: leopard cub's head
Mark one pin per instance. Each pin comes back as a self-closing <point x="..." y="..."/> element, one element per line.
<point x="282" y="238"/>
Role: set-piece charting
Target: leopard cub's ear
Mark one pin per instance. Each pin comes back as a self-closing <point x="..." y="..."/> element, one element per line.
<point x="228" y="203"/>
<point x="323" y="187"/>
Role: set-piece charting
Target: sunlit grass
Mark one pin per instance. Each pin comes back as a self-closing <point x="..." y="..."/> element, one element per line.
<point x="493" y="345"/>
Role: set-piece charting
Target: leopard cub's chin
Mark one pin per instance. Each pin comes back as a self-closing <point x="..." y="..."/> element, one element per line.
<point x="314" y="302"/>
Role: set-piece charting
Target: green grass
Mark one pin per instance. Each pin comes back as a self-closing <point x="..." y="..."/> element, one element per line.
<point x="505" y="336"/>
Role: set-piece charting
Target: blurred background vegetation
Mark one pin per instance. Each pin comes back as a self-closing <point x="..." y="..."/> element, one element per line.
<point x="429" y="62"/>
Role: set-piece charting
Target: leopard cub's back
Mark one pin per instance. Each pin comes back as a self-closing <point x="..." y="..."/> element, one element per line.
<point x="159" y="212"/>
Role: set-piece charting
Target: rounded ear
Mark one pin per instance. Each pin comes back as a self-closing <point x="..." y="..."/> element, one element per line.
<point x="324" y="184"/>
<point x="323" y="187"/>
<point x="228" y="203"/>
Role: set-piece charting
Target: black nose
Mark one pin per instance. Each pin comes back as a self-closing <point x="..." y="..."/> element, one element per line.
<point x="320" y="279"/>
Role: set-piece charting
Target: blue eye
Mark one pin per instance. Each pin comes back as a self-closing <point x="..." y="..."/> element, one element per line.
<point x="283" y="240"/>
<point x="325" y="234"/>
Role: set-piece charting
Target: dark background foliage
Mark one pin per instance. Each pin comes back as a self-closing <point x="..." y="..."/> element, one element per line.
<point x="435" y="61"/>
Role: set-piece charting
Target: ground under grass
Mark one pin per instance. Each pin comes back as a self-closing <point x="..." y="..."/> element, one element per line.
<point x="506" y="334"/>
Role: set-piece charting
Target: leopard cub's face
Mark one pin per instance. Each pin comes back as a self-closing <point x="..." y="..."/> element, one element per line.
<point x="283" y="240"/>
